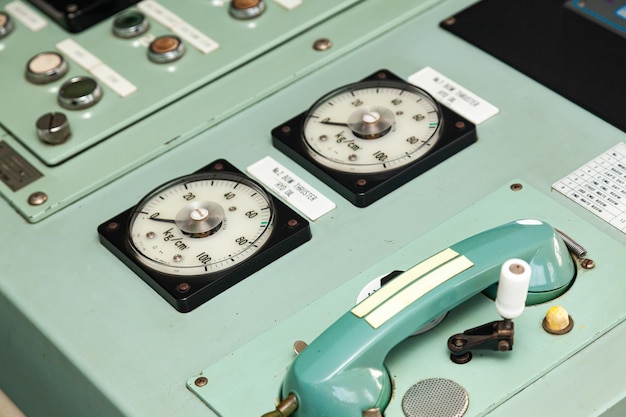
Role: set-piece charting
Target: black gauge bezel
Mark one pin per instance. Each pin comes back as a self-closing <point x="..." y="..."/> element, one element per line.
<point x="363" y="189"/>
<point x="186" y="292"/>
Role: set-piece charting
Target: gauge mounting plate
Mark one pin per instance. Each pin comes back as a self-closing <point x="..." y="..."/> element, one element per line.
<point x="368" y="138"/>
<point x="196" y="236"/>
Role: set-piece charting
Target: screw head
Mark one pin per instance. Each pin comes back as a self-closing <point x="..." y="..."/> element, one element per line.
<point x="587" y="263"/>
<point x="37" y="198"/>
<point x="322" y="44"/>
<point x="201" y="381"/>
<point x="113" y="226"/>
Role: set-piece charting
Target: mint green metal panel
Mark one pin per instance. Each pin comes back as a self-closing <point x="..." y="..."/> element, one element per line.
<point x="80" y="334"/>
<point x="211" y="103"/>
<point x="491" y="378"/>
<point x="158" y="85"/>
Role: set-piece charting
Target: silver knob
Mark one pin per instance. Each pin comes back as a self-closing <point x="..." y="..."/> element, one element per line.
<point x="53" y="128"/>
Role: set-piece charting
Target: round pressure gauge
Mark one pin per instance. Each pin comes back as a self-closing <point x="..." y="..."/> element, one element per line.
<point x="198" y="235"/>
<point x="372" y="126"/>
<point x="368" y="138"/>
<point x="201" y="224"/>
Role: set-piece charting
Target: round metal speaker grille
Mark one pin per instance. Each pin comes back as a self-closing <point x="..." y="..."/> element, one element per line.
<point x="435" y="397"/>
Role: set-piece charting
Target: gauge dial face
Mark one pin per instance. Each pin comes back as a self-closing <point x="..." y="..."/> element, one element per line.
<point x="372" y="127"/>
<point x="201" y="224"/>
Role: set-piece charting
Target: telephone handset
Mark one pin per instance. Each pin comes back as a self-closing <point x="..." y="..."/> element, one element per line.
<point x="342" y="372"/>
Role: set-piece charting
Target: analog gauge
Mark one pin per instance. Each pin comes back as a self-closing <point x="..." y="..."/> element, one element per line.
<point x="194" y="237"/>
<point x="372" y="126"/>
<point x="368" y="138"/>
<point x="201" y="224"/>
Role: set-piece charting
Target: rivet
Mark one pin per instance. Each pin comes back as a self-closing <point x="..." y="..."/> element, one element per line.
<point x="361" y="182"/>
<point x="292" y="223"/>
<point x="113" y="226"/>
<point x="449" y="21"/>
<point x="299" y="346"/>
<point x="322" y="44"/>
<point x="459" y="125"/>
<point x="218" y="166"/>
<point x="37" y="198"/>
<point x="517" y="186"/>
<point x="201" y="381"/>
<point x="285" y="129"/>
<point x="183" y="287"/>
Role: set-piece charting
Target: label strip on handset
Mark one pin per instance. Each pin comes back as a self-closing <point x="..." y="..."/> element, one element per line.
<point x="407" y="288"/>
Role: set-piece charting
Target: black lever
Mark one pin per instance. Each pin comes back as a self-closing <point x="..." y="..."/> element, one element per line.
<point x="497" y="335"/>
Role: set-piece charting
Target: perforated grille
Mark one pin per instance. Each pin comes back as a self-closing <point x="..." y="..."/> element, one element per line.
<point x="435" y="397"/>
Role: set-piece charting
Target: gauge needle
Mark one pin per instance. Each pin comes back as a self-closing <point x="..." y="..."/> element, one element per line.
<point x="156" y="219"/>
<point x="328" y="122"/>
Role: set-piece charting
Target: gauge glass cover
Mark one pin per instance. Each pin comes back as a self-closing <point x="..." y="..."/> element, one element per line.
<point x="372" y="126"/>
<point x="201" y="224"/>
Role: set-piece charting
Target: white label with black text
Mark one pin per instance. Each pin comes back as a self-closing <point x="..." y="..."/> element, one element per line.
<point x="453" y="96"/>
<point x="291" y="188"/>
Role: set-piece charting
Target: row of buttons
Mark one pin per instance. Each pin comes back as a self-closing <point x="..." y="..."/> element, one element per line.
<point x="83" y="92"/>
<point x="132" y="24"/>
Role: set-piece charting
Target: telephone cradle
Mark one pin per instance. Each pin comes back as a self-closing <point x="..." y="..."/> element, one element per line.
<point x="342" y="372"/>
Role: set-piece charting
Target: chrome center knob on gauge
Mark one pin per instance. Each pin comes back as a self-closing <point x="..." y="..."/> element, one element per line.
<point x="371" y="123"/>
<point x="200" y="219"/>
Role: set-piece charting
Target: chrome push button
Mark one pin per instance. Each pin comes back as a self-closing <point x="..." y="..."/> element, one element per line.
<point x="79" y="93"/>
<point x="45" y="67"/>
<point x="166" y="48"/>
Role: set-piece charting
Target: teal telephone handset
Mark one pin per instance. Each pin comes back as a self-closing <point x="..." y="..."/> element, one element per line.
<point x="342" y="372"/>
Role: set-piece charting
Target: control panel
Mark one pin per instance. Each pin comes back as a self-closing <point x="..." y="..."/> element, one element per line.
<point x="312" y="208"/>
